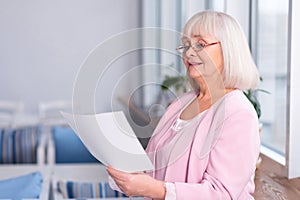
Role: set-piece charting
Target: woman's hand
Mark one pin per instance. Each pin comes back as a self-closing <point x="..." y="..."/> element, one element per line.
<point x="138" y="184"/>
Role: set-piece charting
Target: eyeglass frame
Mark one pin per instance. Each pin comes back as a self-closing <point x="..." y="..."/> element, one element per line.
<point x="182" y="50"/>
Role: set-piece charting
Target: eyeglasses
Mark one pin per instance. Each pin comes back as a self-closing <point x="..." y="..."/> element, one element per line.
<point x="197" y="47"/>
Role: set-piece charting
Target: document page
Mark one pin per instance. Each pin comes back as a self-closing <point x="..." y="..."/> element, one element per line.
<point x="111" y="140"/>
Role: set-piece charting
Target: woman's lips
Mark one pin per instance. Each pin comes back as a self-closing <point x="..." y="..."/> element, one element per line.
<point x="195" y="64"/>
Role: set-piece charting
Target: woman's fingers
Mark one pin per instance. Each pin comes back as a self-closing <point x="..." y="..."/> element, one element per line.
<point x="136" y="184"/>
<point x="118" y="175"/>
<point x="122" y="179"/>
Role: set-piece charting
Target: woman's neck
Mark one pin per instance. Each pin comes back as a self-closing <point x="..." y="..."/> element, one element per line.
<point x="211" y="90"/>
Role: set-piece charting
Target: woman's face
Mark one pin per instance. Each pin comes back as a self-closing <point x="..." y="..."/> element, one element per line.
<point x="204" y="63"/>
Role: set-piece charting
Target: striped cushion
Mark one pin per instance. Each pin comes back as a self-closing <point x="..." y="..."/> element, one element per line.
<point x="19" y="145"/>
<point x="70" y="189"/>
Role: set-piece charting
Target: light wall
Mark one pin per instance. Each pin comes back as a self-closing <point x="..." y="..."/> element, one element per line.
<point x="43" y="44"/>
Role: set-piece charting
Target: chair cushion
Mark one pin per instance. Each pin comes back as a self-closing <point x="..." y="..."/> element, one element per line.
<point x="26" y="186"/>
<point x="69" y="148"/>
<point x="72" y="189"/>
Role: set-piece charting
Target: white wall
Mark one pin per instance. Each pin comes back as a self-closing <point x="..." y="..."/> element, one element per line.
<point x="43" y="44"/>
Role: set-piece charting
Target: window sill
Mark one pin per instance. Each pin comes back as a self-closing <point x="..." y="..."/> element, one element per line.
<point x="271" y="181"/>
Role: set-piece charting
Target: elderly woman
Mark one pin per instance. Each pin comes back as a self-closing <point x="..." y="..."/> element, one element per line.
<point x="207" y="143"/>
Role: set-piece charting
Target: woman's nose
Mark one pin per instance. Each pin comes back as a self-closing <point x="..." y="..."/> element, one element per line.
<point x="190" y="52"/>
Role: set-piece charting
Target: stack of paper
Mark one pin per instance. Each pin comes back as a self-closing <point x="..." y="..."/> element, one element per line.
<point x="110" y="139"/>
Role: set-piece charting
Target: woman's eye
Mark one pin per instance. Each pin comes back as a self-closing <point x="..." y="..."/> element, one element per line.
<point x="200" y="45"/>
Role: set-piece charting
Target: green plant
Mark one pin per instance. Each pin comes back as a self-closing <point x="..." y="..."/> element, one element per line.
<point x="178" y="82"/>
<point x="252" y="97"/>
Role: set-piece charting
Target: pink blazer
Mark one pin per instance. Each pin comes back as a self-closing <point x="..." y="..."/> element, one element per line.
<point x="215" y="157"/>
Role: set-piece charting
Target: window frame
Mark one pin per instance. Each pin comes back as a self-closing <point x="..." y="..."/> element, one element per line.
<point x="293" y="136"/>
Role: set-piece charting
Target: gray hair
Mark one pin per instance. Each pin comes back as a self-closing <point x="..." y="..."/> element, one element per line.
<point x="239" y="70"/>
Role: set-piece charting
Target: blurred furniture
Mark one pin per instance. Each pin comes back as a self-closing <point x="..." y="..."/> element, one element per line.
<point x="49" y="112"/>
<point x="16" y="173"/>
<point x="8" y="109"/>
<point x="49" y="117"/>
<point x="20" y="137"/>
<point x="22" y="145"/>
<point x="65" y="147"/>
<point x="77" y="181"/>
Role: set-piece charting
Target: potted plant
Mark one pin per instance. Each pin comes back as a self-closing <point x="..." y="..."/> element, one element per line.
<point x="177" y="82"/>
<point x="252" y="97"/>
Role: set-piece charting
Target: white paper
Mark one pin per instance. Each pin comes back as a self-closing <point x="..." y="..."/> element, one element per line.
<point x="110" y="139"/>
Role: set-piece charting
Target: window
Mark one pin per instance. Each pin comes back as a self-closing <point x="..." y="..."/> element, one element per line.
<point x="269" y="48"/>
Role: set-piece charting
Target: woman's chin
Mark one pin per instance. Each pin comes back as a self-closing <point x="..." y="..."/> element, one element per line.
<point x="194" y="73"/>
